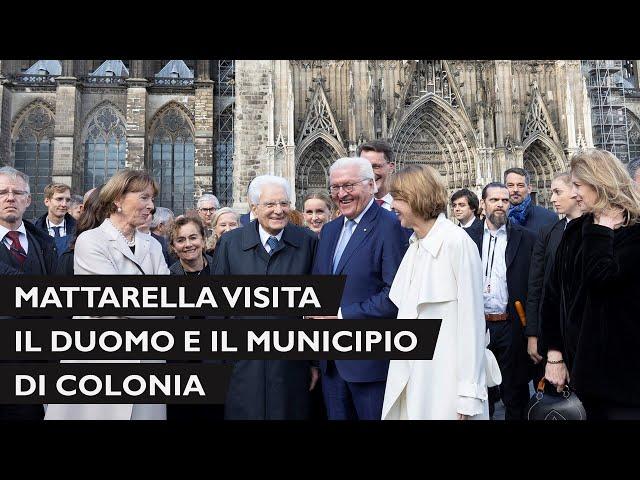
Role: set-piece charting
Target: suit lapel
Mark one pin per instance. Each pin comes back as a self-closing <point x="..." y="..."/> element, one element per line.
<point x="118" y="242"/>
<point x="363" y="229"/>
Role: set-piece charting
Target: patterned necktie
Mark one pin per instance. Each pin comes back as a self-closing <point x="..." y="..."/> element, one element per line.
<point x="380" y="201"/>
<point x="344" y="240"/>
<point x="16" y="248"/>
<point x="273" y="243"/>
<point x="56" y="231"/>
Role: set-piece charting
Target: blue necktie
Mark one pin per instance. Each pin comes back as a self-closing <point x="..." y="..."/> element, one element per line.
<point x="273" y="243"/>
<point x="56" y="231"/>
<point x="344" y="240"/>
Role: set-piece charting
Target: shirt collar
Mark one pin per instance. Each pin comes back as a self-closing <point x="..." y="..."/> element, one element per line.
<point x="264" y="235"/>
<point x="50" y="224"/>
<point x="359" y="217"/>
<point x="467" y="225"/>
<point x="502" y="229"/>
<point x="4" y="230"/>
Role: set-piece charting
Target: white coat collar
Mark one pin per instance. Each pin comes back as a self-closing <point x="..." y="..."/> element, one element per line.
<point x="119" y="243"/>
<point x="434" y="239"/>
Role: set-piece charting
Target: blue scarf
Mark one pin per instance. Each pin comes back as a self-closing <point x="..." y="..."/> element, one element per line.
<point x="518" y="214"/>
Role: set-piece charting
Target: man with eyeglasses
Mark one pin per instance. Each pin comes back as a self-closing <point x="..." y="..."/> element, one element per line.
<point x="380" y="155"/>
<point x="274" y="389"/>
<point x="27" y="249"/>
<point x="207" y="206"/>
<point x="366" y="243"/>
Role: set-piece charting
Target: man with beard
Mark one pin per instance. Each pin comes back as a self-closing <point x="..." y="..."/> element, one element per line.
<point x="505" y="249"/>
<point x="523" y="212"/>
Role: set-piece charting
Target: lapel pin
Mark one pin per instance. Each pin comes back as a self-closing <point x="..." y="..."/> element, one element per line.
<point x="364" y="229"/>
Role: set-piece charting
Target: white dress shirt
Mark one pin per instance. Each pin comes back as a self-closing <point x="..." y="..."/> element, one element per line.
<point x="388" y="199"/>
<point x="494" y="268"/>
<point x="63" y="230"/>
<point x="264" y="236"/>
<point x="22" y="236"/>
<point x="357" y="220"/>
<point x="468" y="224"/>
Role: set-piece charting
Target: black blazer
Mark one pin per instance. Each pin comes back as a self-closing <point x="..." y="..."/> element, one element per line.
<point x="520" y="243"/>
<point x="538" y="217"/>
<point x="476" y="228"/>
<point x="70" y="224"/>
<point x="176" y="267"/>
<point x="544" y="253"/>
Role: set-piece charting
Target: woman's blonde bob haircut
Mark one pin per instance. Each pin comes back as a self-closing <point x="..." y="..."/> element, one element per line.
<point x="123" y="182"/>
<point x="423" y="188"/>
<point x="610" y="179"/>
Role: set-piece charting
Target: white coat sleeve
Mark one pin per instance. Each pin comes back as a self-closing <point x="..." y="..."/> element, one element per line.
<point x="471" y="381"/>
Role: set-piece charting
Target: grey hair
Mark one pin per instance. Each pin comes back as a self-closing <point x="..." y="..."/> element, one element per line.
<point x="258" y="183"/>
<point x="208" y="197"/>
<point x="13" y="173"/>
<point x="364" y="168"/>
<point x="75" y="201"/>
<point x="162" y="215"/>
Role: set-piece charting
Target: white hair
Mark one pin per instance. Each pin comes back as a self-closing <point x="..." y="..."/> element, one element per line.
<point x="364" y="168"/>
<point x="11" y="172"/>
<point x="258" y="183"/>
<point x="162" y="215"/>
<point x="208" y="197"/>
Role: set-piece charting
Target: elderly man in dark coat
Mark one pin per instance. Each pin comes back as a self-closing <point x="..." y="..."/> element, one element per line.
<point x="268" y="389"/>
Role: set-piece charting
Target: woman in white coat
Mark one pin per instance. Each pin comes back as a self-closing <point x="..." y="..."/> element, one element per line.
<point x="116" y="247"/>
<point x="440" y="277"/>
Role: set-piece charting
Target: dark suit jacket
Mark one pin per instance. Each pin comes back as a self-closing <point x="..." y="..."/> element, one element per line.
<point x="370" y="262"/>
<point x="538" y="217"/>
<point x="245" y="219"/>
<point x="520" y="243"/>
<point x="475" y="228"/>
<point x="70" y="223"/>
<point x="544" y="252"/>
<point x="260" y="389"/>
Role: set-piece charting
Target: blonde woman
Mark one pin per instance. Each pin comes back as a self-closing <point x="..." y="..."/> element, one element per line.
<point x="589" y="315"/>
<point x="224" y="220"/>
<point x="440" y="277"/>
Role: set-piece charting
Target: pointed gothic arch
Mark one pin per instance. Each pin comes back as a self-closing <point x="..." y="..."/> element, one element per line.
<point x="432" y="132"/>
<point x="104" y="144"/>
<point x="312" y="166"/>
<point x="171" y="157"/>
<point x="32" y="145"/>
<point x="633" y="134"/>
<point x="543" y="159"/>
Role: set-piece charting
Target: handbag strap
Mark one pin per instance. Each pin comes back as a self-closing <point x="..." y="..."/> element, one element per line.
<point x="540" y="389"/>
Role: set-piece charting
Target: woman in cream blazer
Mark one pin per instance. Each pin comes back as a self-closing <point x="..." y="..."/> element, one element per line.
<point x="440" y="277"/>
<point x="117" y="248"/>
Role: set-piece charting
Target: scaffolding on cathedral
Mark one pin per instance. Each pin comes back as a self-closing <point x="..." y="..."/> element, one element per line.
<point x="606" y="86"/>
<point x="224" y="114"/>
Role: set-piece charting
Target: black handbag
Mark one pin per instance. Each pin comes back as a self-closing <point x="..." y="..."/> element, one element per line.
<point x="555" y="406"/>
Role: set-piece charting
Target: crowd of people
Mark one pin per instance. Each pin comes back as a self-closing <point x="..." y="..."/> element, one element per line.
<point x="524" y="293"/>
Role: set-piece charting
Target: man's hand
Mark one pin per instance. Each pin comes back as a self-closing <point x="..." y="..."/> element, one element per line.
<point x="462" y="416"/>
<point x="320" y="317"/>
<point x="315" y="375"/>
<point x="532" y="350"/>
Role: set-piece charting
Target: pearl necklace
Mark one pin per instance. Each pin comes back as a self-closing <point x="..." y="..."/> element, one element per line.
<point x="130" y="243"/>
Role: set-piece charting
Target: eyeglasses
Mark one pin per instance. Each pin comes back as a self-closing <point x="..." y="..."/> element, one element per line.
<point x="347" y="187"/>
<point x="271" y="205"/>
<point x="207" y="210"/>
<point x="16" y="193"/>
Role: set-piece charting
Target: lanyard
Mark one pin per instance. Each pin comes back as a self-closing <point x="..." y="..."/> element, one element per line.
<point x="488" y="271"/>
